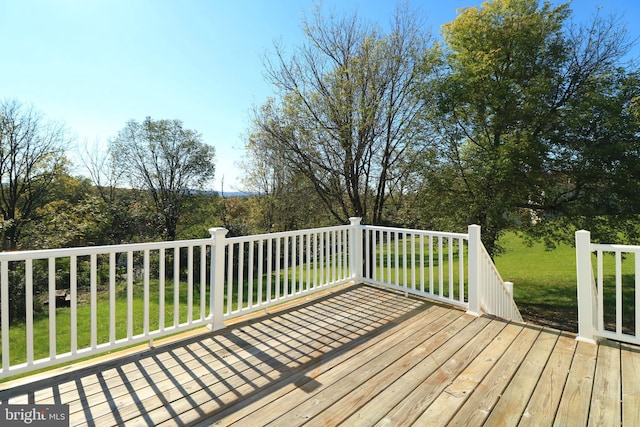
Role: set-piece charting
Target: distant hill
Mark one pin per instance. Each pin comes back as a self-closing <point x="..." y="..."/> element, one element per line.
<point x="234" y="194"/>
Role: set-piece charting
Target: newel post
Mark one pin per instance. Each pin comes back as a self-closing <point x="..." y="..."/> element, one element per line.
<point x="355" y="249"/>
<point x="217" y="277"/>
<point x="475" y="269"/>
<point x="586" y="291"/>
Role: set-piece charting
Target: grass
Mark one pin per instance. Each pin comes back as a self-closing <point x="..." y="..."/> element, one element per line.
<point x="544" y="282"/>
<point x="545" y="285"/>
<point x="17" y="331"/>
<point x="544" y="290"/>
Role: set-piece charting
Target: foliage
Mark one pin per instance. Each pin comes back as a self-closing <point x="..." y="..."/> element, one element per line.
<point x="347" y="110"/>
<point x="31" y="157"/>
<point x="165" y="160"/>
<point x="525" y="127"/>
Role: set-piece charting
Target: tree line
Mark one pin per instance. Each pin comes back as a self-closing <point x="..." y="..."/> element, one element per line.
<point x="514" y="117"/>
<point x="517" y="117"/>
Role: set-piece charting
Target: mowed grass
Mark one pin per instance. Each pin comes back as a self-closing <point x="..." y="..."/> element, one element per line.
<point x="545" y="291"/>
<point x="41" y="348"/>
<point x="544" y="281"/>
<point x="545" y="284"/>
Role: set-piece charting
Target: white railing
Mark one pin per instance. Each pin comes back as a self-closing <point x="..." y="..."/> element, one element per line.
<point x="159" y="288"/>
<point x="269" y="269"/>
<point x="608" y="290"/>
<point x="433" y="264"/>
<point x="425" y="263"/>
<point x="127" y="294"/>
<point x="497" y="295"/>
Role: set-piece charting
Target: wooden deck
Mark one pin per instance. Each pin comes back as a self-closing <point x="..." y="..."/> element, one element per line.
<point x="358" y="356"/>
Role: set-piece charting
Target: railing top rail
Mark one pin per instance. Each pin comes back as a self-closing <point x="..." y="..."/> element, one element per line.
<point x="90" y="250"/>
<point x="614" y="248"/>
<point x="264" y="236"/>
<point x="414" y="231"/>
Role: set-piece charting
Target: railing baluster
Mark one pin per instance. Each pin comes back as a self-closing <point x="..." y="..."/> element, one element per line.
<point x="413" y="261"/>
<point x="203" y="281"/>
<point x="388" y="251"/>
<point x="315" y="259"/>
<point x="618" y="257"/>
<point x="240" y="275"/>
<point x="294" y="265"/>
<point x="260" y="269"/>
<point x="440" y="266"/>
<point x="52" y="308"/>
<point x="145" y="294"/>
<point x="189" y="284"/>
<point x="421" y="263"/>
<point x="318" y="259"/>
<point x="112" y="302"/>
<point x="269" y="269"/>
<point x="129" y="294"/>
<point x="405" y="284"/>
<point x="285" y="285"/>
<point x="301" y="255"/>
<point x="277" y="265"/>
<point x="396" y="258"/>
<point x="230" y="252"/>
<point x="176" y="286"/>
<point x="250" y="279"/>
<point x="29" y="301"/>
<point x="461" y="270"/>
<point x="309" y="284"/>
<point x="600" y="291"/>
<point x="161" y="288"/>
<point x="4" y="313"/>
<point x="94" y="300"/>
<point x="431" y="272"/>
<point x="450" y="258"/>
<point x="73" y="288"/>
<point x="342" y="258"/>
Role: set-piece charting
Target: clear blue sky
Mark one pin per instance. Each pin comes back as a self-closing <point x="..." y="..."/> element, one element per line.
<point x="94" y="64"/>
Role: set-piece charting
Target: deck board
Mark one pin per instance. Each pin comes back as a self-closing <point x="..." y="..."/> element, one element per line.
<point x="515" y="398"/>
<point x="630" y="362"/>
<point x="605" y="398"/>
<point x="576" y="397"/>
<point x="544" y="401"/>
<point x="359" y="356"/>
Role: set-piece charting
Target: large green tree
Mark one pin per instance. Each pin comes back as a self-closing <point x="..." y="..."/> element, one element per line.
<point x="347" y="113"/>
<point x="166" y="161"/>
<point x="519" y="106"/>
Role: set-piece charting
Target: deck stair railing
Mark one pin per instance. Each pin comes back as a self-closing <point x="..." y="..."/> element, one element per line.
<point x="450" y="267"/>
<point x="608" y="290"/>
<point x="117" y="296"/>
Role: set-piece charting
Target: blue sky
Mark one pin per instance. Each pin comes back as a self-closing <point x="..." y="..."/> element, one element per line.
<point x="94" y="64"/>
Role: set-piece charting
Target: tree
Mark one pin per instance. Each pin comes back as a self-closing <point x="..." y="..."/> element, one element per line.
<point x="31" y="157"/>
<point x="166" y="161"/>
<point x="518" y="81"/>
<point x="124" y="211"/>
<point x="347" y="111"/>
<point x="283" y="198"/>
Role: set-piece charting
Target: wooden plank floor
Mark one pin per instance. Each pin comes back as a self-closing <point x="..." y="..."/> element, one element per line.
<point x="360" y="356"/>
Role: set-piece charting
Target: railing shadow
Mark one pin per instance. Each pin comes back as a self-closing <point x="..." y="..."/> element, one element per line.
<point x="206" y="376"/>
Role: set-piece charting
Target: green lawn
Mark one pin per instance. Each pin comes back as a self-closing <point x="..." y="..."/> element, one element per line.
<point x="17" y="332"/>
<point x="544" y="282"/>
<point x="545" y="287"/>
<point x="544" y="290"/>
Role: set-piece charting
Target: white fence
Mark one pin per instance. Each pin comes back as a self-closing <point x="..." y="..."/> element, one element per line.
<point x="126" y="294"/>
<point x="608" y="290"/>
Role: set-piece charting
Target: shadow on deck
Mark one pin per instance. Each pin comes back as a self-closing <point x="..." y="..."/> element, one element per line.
<point x="357" y="356"/>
